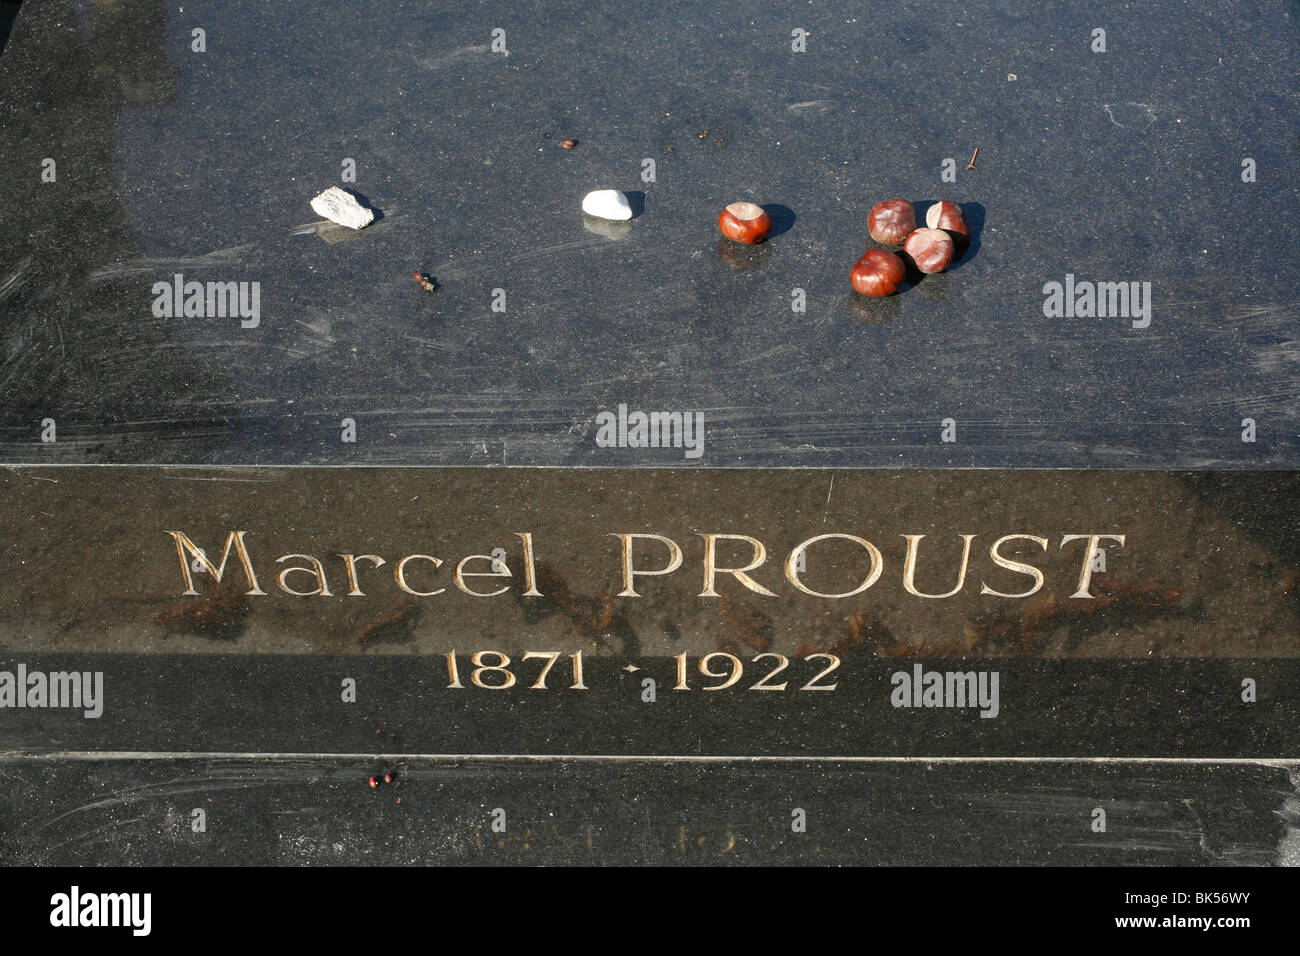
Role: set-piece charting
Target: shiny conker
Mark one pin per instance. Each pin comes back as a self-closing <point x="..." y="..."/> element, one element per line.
<point x="879" y="272"/>
<point x="745" y="222"/>
<point x="891" y="221"/>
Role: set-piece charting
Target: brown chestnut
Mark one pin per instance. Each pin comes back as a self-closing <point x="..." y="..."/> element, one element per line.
<point x="879" y="272"/>
<point x="745" y="222"/>
<point x="946" y="216"/>
<point x="891" y="221"/>
<point x="930" y="249"/>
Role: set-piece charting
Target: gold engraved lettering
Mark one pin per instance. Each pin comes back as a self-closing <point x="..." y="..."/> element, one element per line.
<point x="1016" y="566"/>
<point x="235" y="539"/>
<point x="909" y="566"/>
<point x="530" y="569"/>
<point x="877" y="565"/>
<point x="350" y="560"/>
<point x="1085" y="576"/>
<point x="316" y="569"/>
<point x="630" y="572"/>
<point x="462" y="574"/>
<point x="711" y="569"/>
<point x="399" y="574"/>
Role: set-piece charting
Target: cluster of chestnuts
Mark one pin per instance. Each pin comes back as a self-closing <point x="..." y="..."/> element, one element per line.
<point x="891" y="223"/>
<point x="931" y="248"/>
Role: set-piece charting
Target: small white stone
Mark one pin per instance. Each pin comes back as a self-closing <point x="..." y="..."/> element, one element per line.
<point x="342" y="207"/>
<point x="607" y="204"/>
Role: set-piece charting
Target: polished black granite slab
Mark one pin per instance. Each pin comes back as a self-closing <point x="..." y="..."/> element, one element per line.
<point x="134" y="157"/>
<point x="180" y="704"/>
<point x="1174" y="678"/>
<point x="313" y="810"/>
<point x="1116" y="166"/>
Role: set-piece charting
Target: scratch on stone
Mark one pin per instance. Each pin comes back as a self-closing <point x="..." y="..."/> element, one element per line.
<point x="219" y="257"/>
<point x="433" y="62"/>
<point x="1202" y="835"/>
<point x="1136" y="116"/>
<point x="811" y="106"/>
<point x="12" y="283"/>
<point x="219" y="478"/>
<point x="1288" y="849"/>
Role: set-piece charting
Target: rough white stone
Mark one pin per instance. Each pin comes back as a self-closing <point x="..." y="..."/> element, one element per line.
<point x="342" y="207"/>
<point x="607" y="204"/>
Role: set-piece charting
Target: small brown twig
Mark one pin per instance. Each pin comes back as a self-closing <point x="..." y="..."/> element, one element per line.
<point x="972" y="159"/>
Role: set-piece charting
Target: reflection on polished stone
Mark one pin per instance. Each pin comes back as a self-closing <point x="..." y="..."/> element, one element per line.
<point x="609" y="228"/>
<point x="933" y="287"/>
<point x="742" y="257"/>
<point x="876" y="310"/>
<point x="332" y="232"/>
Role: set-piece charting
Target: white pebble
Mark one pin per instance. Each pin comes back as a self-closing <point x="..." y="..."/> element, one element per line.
<point x="342" y="207"/>
<point x="607" y="204"/>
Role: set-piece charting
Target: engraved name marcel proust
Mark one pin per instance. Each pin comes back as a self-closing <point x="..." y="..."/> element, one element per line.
<point x="727" y="567"/>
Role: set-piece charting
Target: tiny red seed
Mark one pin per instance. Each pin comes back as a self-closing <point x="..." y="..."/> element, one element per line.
<point x="388" y="778"/>
<point x="374" y="782"/>
<point x="569" y="143"/>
